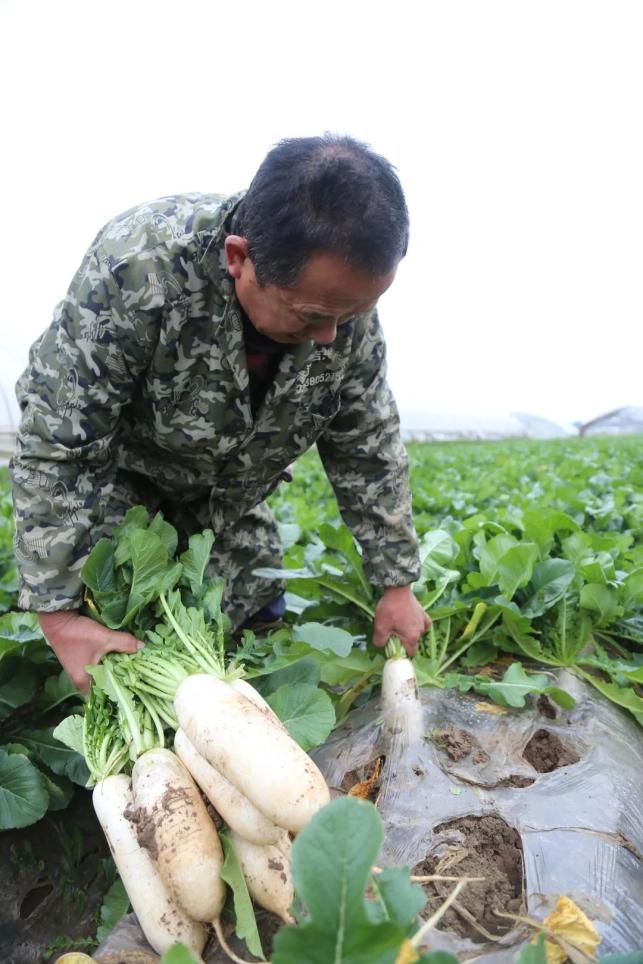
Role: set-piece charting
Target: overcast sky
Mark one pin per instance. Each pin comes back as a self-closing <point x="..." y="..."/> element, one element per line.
<point x="516" y="127"/>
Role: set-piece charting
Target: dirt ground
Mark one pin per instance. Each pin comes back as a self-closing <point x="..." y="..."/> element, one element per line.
<point x="546" y="752"/>
<point x="52" y="883"/>
<point x="458" y="744"/>
<point x="483" y="847"/>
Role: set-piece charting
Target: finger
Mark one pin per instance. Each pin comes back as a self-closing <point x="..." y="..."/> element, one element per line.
<point x="380" y="638"/>
<point x="81" y="680"/>
<point x="428" y="622"/>
<point x="410" y="646"/>
<point x="121" y="643"/>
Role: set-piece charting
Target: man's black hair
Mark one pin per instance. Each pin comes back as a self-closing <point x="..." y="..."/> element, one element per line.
<point x="328" y="194"/>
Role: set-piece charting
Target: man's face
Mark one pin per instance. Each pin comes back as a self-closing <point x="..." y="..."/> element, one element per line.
<point x="328" y="293"/>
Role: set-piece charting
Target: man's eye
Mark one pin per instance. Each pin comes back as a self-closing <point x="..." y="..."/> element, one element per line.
<point x="313" y="318"/>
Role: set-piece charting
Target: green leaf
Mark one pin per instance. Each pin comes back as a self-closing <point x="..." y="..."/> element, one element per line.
<point x="633" y="589"/>
<point x="178" y="954"/>
<point x="515" y="568"/>
<point x="196" y="558"/>
<point x="19" y="628"/>
<point x="621" y="695"/>
<point x="70" y="733"/>
<point x="55" y="755"/>
<point x="562" y="697"/>
<point x="340" y="539"/>
<point x="23" y="792"/>
<point x="98" y="572"/>
<point x="115" y="904"/>
<point x="331" y="862"/>
<point x="150" y="565"/>
<point x="438" y="550"/>
<point x="402" y="900"/>
<point x="328" y="639"/>
<point x="515" y="686"/>
<point x="533" y="953"/>
<point x="306" y="670"/>
<point x="56" y="690"/>
<point x="306" y="712"/>
<point x="60" y="790"/>
<point x="232" y="875"/>
<point x="602" y="600"/>
<point x="166" y="533"/>
<point x="18" y="681"/>
<point x="490" y="556"/>
<point x="549" y="583"/>
<point x="336" y="672"/>
<point x="135" y="519"/>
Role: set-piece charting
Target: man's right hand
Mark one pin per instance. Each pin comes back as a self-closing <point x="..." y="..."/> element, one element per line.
<point x="79" y="641"/>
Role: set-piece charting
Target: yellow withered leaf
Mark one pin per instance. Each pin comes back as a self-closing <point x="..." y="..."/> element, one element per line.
<point x="569" y="922"/>
<point x="363" y="789"/>
<point x="491" y="708"/>
<point x="407" y="954"/>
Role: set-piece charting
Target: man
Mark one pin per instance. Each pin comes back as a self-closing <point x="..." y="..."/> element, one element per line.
<point x="205" y="343"/>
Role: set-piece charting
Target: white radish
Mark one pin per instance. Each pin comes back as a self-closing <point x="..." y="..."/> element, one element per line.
<point x="251" y="751"/>
<point x="267" y="873"/>
<point x="401" y="706"/>
<point x="162" y="920"/>
<point x="247" y="689"/>
<point x="174" y="825"/>
<point x="237" y="811"/>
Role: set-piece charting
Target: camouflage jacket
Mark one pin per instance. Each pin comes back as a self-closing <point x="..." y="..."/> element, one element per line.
<point x="144" y="367"/>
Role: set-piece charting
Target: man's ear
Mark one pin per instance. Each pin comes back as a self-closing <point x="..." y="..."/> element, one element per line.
<point x="236" y="252"/>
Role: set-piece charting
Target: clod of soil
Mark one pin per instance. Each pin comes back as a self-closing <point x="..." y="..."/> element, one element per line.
<point x="458" y="744"/>
<point x="484" y="847"/>
<point x="517" y="780"/>
<point x="145" y="828"/>
<point x="546" y="752"/>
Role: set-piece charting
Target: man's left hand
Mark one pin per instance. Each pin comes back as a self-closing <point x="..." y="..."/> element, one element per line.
<point x="399" y="614"/>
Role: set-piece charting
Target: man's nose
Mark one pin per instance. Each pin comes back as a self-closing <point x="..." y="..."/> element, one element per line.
<point x="324" y="334"/>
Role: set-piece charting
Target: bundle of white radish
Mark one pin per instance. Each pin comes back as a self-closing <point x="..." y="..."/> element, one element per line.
<point x="229" y="746"/>
<point x="401" y="706"/>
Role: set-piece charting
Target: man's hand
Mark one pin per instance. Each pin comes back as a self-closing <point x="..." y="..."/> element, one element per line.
<point x="399" y="614"/>
<point x="79" y="641"/>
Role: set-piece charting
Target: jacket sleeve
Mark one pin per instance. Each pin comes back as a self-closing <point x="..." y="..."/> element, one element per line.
<point x="81" y="373"/>
<point x="367" y="465"/>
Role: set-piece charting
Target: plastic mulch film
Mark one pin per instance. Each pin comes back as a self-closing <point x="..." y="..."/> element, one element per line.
<point x="539" y="802"/>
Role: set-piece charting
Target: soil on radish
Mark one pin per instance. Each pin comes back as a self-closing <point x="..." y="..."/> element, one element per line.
<point x="144" y="828"/>
<point x="546" y="752"/>
<point x="274" y="864"/>
<point x="458" y="744"/>
<point x="477" y="847"/>
<point x="147" y="822"/>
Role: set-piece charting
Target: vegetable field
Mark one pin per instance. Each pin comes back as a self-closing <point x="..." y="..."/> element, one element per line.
<point x="532" y="572"/>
